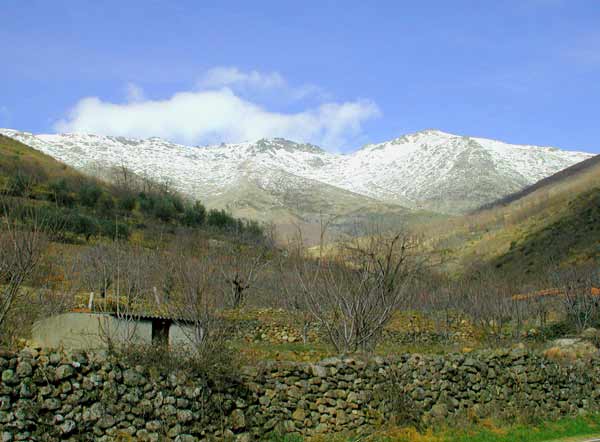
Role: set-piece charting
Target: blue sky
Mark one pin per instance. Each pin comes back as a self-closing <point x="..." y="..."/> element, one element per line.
<point x="337" y="73"/>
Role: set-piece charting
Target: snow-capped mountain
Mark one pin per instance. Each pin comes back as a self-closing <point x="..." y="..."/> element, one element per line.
<point x="271" y="178"/>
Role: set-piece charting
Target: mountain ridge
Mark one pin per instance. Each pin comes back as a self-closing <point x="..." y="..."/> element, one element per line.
<point x="430" y="169"/>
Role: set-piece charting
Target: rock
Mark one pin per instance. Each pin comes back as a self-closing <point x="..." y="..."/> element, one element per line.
<point x="319" y="371"/>
<point x="294" y="392"/>
<point x="24" y="369"/>
<point x="6" y="417"/>
<point x="174" y="431"/>
<point x="67" y="427"/>
<point x="133" y="378"/>
<point x="64" y="372"/>
<point x="184" y="416"/>
<point x="106" y="421"/>
<point x="55" y="358"/>
<point x="439" y="411"/>
<point x="146" y="406"/>
<point x="94" y="413"/>
<point x="143" y="435"/>
<point x="51" y="404"/>
<point x="153" y="426"/>
<point x="322" y="428"/>
<point x="378" y="360"/>
<point x="186" y="438"/>
<point x="331" y="362"/>
<point x="243" y="437"/>
<point x="299" y="415"/>
<point x="238" y="419"/>
<point x="9" y="377"/>
<point x="341" y="418"/>
<point x="571" y="349"/>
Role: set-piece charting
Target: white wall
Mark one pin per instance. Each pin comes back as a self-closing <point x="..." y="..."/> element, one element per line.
<point x="87" y="330"/>
<point x="181" y="336"/>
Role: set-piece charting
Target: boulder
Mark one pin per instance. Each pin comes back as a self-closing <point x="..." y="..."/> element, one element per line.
<point x="64" y="372"/>
<point x="570" y="349"/>
<point x="238" y="419"/>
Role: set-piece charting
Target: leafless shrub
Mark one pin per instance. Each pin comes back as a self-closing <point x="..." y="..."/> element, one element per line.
<point x="487" y="303"/>
<point x="21" y="250"/>
<point x="292" y="296"/>
<point x="240" y="267"/>
<point x="354" y="294"/>
<point x="580" y="299"/>
<point x="440" y="300"/>
<point x="194" y="306"/>
<point x="122" y="276"/>
<point x="97" y="269"/>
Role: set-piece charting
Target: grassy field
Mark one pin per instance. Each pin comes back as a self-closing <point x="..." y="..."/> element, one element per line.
<point x="576" y="429"/>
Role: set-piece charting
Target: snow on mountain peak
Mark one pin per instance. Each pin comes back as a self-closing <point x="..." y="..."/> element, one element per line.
<point x="427" y="169"/>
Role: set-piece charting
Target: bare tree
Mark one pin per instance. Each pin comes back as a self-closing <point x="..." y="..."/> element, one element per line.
<point x="488" y="299"/>
<point x="123" y="277"/>
<point x="354" y="294"/>
<point x="294" y="300"/>
<point x="240" y="268"/>
<point x="97" y="269"/>
<point x="21" y="250"/>
<point x="580" y="303"/>
<point x="194" y="306"/>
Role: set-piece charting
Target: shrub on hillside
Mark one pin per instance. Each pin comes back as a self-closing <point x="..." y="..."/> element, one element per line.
<point x="126" y="202"/>
<point x="194" y="215"/>
<point x="164" y="209"/>
<point x="89" y="194"/>
<point x="60" y="193"/>
<point x="105" y="204"/>
<point x="221" y="220"/>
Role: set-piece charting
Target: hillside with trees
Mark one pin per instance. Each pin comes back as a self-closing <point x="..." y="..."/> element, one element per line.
<point x="86" y="208"/>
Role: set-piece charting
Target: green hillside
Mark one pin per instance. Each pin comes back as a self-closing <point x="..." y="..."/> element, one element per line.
<point x="555" y="221"/>
<point x="86" y="208"/>
<point x="573" y="236"/>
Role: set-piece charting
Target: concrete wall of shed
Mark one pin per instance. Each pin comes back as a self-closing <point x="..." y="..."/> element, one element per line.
<point x="88" y="331"/>
<point x="181" y="336"/>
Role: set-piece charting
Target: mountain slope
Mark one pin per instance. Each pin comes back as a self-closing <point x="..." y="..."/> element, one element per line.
<point x="429" y="170"/>
<point x="34" y="186"/>
<point x="556" y="220"/>
<point x="571" y="236"/>
<point x="454" y="174"/>
<point x="589" y="166"/>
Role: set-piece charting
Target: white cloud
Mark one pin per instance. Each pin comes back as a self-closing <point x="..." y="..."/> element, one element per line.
<point x="234" y="78"/>
<point x="254" y="82"/>
<point x="220" y="115"/>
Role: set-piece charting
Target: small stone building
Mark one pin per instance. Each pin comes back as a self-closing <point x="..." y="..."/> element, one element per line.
<point x="91" y="330"/>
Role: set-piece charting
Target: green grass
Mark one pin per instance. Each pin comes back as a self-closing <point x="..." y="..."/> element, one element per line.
<point x="545" y="432"/>
<point x="569" y="429"/>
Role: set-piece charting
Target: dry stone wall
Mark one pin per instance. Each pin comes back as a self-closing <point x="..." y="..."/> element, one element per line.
<point x="51" y="396"/>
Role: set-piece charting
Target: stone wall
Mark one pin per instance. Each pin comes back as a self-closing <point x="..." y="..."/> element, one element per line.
<point x="77" y="396"/>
